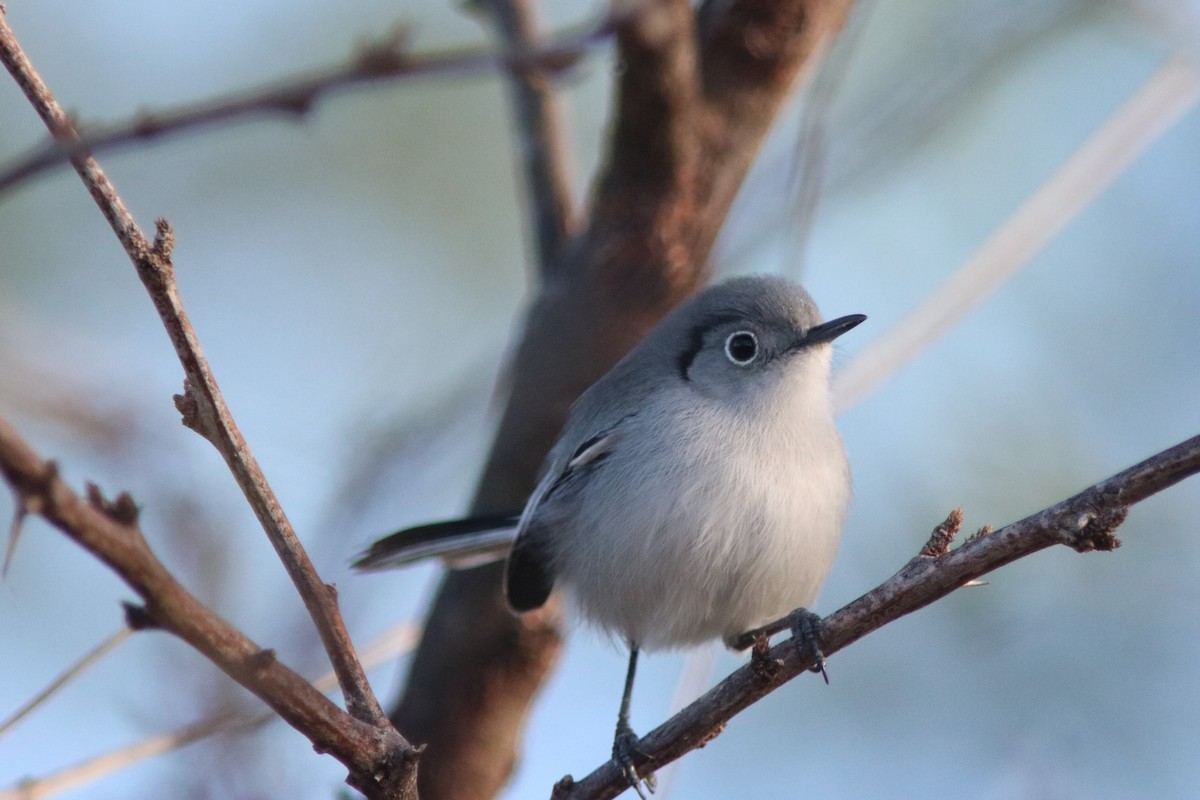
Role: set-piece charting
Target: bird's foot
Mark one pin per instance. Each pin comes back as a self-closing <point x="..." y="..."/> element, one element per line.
<point x="806" y="630"/>
<point x="626" y="745"/>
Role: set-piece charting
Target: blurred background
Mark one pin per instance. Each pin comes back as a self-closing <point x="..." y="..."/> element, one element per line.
<point x="355" y="278"/>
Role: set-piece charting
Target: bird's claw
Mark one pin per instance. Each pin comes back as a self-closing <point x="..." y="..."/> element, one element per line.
<point x="625" y="747"/>
<point x="806" y="630"/>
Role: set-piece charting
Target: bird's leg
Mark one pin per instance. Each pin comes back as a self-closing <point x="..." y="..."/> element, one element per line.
<point x="625" y="743"/>
<point x="806" y="633"/>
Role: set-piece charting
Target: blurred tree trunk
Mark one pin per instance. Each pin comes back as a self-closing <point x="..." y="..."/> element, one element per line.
<point x="695" y="95"/>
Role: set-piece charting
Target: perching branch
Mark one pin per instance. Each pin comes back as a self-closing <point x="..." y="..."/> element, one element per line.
<point x="381" y="763"/>
<point x="202" y="405"/>
<point x="1084" y="523"/>
<point x="387" y="60"/>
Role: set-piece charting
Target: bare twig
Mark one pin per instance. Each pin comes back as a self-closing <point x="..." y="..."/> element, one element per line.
<point x="86" y="773"/>
<point x="381" y="763"/>
<point x="1084" y="522"/>
<point x="1155" y="106"/>
<point x="293" y="98"/>
<point x="66" y="676"/>
<point x="202" y="405"/>
<point x="396" y="641"/>
<point x="541" y="133"/>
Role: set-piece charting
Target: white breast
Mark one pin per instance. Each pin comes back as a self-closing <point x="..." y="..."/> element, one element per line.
<point x="704" y="527"/>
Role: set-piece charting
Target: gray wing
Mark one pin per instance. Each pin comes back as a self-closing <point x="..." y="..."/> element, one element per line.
<point x="529" y="573"/>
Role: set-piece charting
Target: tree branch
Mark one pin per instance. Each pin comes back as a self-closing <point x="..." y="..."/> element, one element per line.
<point x="381" y="763"/>
<point x="202" y="405"/>
<point x="389" y="59"/>
<point x="1084" y="522"/>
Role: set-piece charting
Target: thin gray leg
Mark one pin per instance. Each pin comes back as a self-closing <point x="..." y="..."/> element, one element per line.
<point x="625" y="743"/>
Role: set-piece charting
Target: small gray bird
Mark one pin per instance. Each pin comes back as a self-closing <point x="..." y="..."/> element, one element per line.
<point x="698" y="489"/>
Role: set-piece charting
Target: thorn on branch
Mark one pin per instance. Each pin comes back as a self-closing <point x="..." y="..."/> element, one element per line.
<point x="138" y="617"/>
<point x="29" y="494"/>
<point x="943" y="535"/>
<point x="14" y="531"/>
<point x="122" y="510"/>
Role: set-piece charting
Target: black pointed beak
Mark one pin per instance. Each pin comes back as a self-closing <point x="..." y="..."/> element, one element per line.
<point x="828" y="331"/>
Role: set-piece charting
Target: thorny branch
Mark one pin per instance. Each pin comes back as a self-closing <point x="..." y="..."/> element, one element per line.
<point x="202" y="405"/>
<point x="381" y="763"/>
<point x="1084" y="522"/>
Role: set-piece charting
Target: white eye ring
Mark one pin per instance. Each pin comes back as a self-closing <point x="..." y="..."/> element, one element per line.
<point x="741" y="347"/>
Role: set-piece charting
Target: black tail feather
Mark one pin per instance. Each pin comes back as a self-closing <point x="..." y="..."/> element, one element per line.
<point x="452" y="539"/>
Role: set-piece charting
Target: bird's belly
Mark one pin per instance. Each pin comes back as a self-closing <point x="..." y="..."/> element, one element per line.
<point x="695" y="553"/>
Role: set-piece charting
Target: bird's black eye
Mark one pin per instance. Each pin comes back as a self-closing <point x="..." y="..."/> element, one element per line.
<point x="741" y="348"/>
